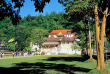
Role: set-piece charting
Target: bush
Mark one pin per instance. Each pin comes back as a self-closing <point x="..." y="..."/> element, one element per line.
<point x="28" y="48"/>
<point x="11" y="46"/>
<point x="39" y="50"/>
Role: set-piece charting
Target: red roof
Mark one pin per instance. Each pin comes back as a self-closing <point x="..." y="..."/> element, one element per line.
<point x="62" y="31"/>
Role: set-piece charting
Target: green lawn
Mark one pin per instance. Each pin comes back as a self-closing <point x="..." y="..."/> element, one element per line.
<point x="54" y="64"/>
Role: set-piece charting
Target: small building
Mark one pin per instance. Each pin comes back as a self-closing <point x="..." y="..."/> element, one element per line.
<point x="60" y="42"/>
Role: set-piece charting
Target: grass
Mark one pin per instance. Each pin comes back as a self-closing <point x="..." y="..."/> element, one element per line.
<point x="52" y="64"/>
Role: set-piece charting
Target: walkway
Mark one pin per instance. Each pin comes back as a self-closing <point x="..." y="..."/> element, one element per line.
<point x="17" y="56"/>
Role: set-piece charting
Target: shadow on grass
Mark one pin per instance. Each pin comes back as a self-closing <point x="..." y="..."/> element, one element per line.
<point x="80" y="59"/>
<point x="41" y="68"/>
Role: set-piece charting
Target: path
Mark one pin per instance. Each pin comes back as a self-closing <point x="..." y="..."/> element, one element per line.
<point x="17" y="56"/>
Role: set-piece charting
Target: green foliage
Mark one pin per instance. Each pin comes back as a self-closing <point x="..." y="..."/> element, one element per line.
<point x="53" y="20"/>
<point x="107" y="44"/>
<point x="2" y="35"/>
<point x="7" y="28"/>
<point x="39" y="50"/>
<point x="37" y="35"/>
<point x="77" y="10"/>
<point x="28" y="48"/>
<point x="21" y="38"/>
<point x="82" y="32"/>
<point x="11" y="46"/>
<point x="75" y="46"/>
<point x="57" y="27"/>
<point x="84" y="39"/>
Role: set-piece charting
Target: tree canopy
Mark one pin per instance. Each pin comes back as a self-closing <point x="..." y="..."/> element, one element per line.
<point x="11" y="8"/>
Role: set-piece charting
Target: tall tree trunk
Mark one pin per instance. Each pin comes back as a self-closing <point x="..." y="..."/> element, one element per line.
<point x="90" y="41"/>
<point x="97" y="28"/>
<point x="102" y="39"/>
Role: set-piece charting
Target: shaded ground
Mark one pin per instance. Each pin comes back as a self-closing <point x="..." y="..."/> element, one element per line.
<point x="41" y="68"/>
<point x="49" y="64"/>
<point x="80" y="59"/>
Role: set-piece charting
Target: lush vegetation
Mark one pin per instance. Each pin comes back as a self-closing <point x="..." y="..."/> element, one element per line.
<point x="30" y="29"/>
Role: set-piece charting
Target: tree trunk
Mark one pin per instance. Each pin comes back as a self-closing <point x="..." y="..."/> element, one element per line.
<point x="90" y="41"/>
<point x="102" y="40"/>
<point x="97" y="28"/>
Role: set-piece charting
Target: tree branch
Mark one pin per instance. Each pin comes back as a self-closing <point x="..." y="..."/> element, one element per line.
<point x="108" y="14"/>
<point x="100" y="10"/>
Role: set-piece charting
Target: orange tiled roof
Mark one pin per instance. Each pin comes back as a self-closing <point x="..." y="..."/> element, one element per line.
<point x="62" y="31"/>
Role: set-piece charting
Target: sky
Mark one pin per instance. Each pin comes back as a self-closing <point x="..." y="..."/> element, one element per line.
<point x="29" y="8"/>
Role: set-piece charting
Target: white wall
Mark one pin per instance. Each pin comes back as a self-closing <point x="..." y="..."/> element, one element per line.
<point x="49" y="35"/>
<point x="66" y="49"/>
<point x="69" y="35"/>
<point x="50" y="51"/>
<point x="61" y="49"/>
<point x="55" y="36"/>
<point x="34" y="46"/>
